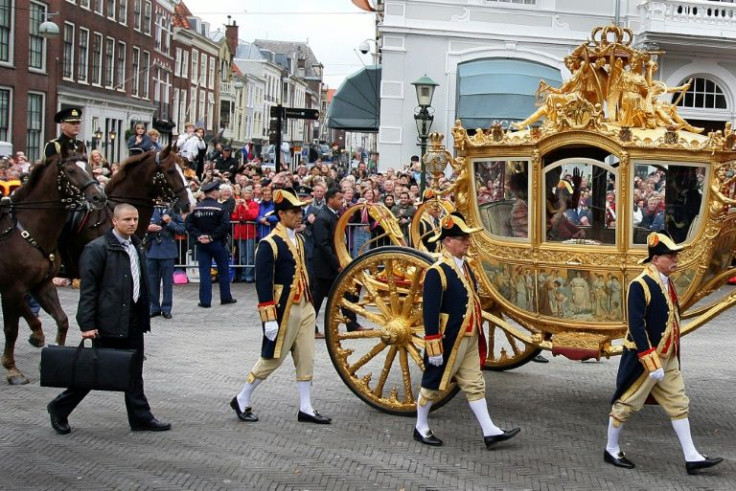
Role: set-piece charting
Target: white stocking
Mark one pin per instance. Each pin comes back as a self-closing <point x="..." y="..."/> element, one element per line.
<point x="305" y="397"/>
<point x="422" y="425"/>
<point x="244" y="396"/>
<point x="480" y="409"/>
<point x="613" y="434"/>
<point x="682" y="428"/>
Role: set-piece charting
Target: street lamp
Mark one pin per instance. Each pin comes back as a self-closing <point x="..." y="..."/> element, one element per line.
<point x="48" y="29"/>
<point x="112" y="135"/>
<point x="97" y="138"/>
<point x="423" y="118"/>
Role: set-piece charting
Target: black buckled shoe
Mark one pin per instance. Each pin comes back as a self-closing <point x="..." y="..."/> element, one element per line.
<point x="694" y="467"/>
<point x="490" y="441"/>
<point x="58" y="423"/>
<point x="204" y="306"/>
<point x="430" y="439"/>
<point x="152" y="425"/>
<point x="228" y="302"/>
<point x="166" y="315"/>
<point x="246" y="415"/>
<point x="303" y="417"/>
<point x="619" y="461"/>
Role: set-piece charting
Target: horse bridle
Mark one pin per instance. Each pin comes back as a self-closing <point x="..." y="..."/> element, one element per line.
<point x="74" y="194"/>
<point x="159" y="179"/>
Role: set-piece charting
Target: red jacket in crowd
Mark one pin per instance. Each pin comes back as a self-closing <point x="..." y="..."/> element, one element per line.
<point x="245" y="211"/>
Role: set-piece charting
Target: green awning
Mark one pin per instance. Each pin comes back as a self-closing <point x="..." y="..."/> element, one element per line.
<point x="356" y="105"/>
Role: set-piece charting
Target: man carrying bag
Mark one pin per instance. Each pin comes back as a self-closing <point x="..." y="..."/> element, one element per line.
<point x="113" y="311"/>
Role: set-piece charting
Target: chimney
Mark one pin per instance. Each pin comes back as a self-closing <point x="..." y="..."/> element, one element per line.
<point x="231" y="36"/>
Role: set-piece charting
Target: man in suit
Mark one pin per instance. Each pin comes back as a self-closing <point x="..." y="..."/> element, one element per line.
<point x="113" y="312"/>
<point x="650" y="364"/>
<point x="326" y="264"/>
<point x="454" y="343"/>
<point x="66" y="144"/>
<point x="285" y="307"/>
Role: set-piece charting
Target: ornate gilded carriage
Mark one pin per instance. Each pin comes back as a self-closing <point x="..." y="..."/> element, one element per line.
<point x="574" y="200"/>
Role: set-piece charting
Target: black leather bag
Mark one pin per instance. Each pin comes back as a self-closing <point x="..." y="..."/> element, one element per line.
<point x="87" y="368"/>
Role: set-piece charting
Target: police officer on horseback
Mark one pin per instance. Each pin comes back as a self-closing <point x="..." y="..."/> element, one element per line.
<point x="67" y="143"/>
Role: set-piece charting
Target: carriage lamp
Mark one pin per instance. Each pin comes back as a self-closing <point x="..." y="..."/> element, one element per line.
<point x="423" y="118"/>
<point x="435" y="160"/>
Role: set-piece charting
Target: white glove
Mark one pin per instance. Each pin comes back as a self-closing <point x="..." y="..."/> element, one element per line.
<point x="435" y="360"/>
<point x="657" y="374"/>
<point x="270" y="330"/>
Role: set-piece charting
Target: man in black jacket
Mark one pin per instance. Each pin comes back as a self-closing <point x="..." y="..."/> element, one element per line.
<point x="113" y="312"/>
<point x="326" y="264"/>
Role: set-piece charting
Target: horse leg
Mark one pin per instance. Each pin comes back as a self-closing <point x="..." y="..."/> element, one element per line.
<point x="48" y="298"/>
<point x="11" y="301"/>
<point x="37" y="338"/>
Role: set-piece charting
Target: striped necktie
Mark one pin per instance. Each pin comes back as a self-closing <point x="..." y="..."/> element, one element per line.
<point x="135" y="271"/>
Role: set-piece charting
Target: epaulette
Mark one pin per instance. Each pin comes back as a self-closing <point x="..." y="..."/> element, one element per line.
<point x="441" y="272"/>
<point x="647" y="293"/>
<point x="274" y="248"/>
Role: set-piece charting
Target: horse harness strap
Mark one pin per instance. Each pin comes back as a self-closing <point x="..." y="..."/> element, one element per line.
<point x="33" y="242"/>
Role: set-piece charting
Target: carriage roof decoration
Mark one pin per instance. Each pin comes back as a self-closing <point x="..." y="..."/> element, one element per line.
<point x="608" y="124"/>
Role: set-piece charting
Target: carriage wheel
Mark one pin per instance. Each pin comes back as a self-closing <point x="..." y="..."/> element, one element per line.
<point x="383" y="364"/>
<point x="506" y="352"/>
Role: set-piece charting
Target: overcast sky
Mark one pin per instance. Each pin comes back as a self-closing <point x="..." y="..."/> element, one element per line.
<point x="332" y="28"/>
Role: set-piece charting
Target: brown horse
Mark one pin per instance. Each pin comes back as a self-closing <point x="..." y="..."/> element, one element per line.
<point x="31" y="222"/>
<point x="141" y="181"/>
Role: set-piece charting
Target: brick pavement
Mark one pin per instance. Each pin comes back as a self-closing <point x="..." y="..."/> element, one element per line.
<point x="197" y="363"/>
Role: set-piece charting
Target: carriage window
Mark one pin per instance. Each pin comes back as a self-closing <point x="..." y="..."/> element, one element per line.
<point x="580" y="197"/>
<point x="502" y="187"/>
<point x="667" y="197"/>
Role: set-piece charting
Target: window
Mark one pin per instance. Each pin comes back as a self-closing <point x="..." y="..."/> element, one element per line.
<point x="137" y="15"/>
<point x="83" y="59"/>
<point x="519" y="2"/>
<point x="192" y="109"/>
<point x="5" y="119"/>
<point x="68" y="55"/>
<point x="185" y="64"/>
<point x="146" y="68"/>
<point x="147" y="17"/>
<point x="36" y="43"/>
<point x="667" y="197"/>
<point x="182" y="108"/>
<point x="109" y="62"/>
<point x="203" y="70"/>
<point x="195" y="66"/>
<point x="580" y="202"/>
<point x="123" y="12"/>
<point x="157" y="33"/>
<point x="703" y="94"/>
<point x="97" y="6"/>
<point x="111" y="9"/>
<point x="6" y="31"/>
<point x="211" y="83"/>
<point x="97" y="58"/>
<point x="202" y="105"/>
<point x="175" y="106"/>
<point x="120" y="75"/>
<point x="136" y="71"/>
<point x="210" y="124"/>
<point x="84" y="4"/>
<point x="502" y="188"/>
<point x="34" y="125"/>
<point x="177" y="63"/>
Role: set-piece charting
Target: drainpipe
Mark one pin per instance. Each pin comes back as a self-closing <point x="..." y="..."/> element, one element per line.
<point x="617" y="18"/>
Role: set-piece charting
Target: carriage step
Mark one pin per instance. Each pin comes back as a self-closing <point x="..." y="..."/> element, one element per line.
<point x="578" y="346"/>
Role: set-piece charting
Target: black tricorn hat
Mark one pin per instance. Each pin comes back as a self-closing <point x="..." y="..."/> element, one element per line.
<point x="69" y="115"/>
<point x="660" y="243"/>
<point x="453" y="225"/>
<point x="286" y="199"/>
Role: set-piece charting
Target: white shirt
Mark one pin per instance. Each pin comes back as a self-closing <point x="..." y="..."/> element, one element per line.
<point x="292" y="235"/>
<point x="459" y="263"/>
<point x="665" y="281"/>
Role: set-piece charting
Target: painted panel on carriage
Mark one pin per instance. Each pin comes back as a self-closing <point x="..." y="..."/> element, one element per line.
<point x="502" y="190"/>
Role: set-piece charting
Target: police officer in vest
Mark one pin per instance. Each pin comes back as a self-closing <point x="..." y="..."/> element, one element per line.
<point x="286" y="310"/>
<point x="455" y="346"/>
<point x="650" y="364"/>
<point x="209" y="225"/>
<point x="67" y="143"/>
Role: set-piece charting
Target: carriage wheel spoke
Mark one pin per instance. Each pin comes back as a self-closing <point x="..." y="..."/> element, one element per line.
<point x="513" y="343"/>
<point x="414" y="352"/>
<point x="377" y="319"/>
<point x="491" y="341"/>
<point x="410" y="297"/>
<point x="377" y="300"/>
<point x="366" y="358"/>
<point x="385" y="371"/>
<point x="373" y="333"/>
<point x="391" y="279"/>
<point x="406" y="375"/>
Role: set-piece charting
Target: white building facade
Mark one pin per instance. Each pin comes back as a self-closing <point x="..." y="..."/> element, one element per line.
<point x="488" y="57"/>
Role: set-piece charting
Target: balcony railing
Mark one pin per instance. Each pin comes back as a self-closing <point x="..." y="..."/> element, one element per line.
<point x="688" y="17"/>
<point x="227" y="89"/>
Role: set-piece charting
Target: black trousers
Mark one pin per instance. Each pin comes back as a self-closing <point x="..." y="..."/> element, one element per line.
<point x="321" y="289"/>
<point x="139" y="411"/>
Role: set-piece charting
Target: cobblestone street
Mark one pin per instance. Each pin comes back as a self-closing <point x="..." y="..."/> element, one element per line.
<point x="198" y="361"/>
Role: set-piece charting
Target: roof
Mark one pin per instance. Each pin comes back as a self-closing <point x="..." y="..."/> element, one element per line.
<point x="181" y="12"/>
<point x="248" y="51"/>
<point x="292" y="49"/>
